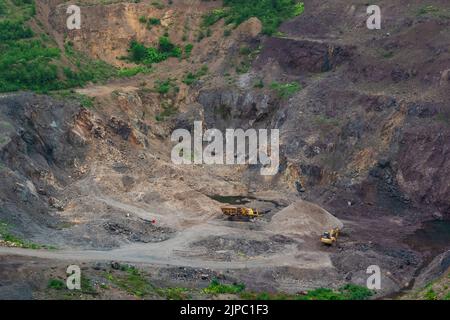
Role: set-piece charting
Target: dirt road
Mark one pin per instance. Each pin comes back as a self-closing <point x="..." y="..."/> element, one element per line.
<point x="177" y="252"/>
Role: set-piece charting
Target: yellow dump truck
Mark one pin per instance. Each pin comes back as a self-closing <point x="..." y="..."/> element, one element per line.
<point x="240" y="211"/>
<point x="330" y="237"/>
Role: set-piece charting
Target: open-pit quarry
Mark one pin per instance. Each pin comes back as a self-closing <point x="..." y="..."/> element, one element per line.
<point x="87" y="177"/>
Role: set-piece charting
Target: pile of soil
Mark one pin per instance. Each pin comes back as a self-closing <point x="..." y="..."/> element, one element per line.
<point x="303" y="218"/>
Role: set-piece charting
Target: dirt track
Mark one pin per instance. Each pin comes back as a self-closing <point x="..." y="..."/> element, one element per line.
<point x="170" y="253"/>
<point x="350" y="137"/>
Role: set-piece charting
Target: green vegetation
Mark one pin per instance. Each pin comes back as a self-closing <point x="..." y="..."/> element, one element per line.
<point x="188" y="50"/>
<point x="143" y="19"/>
<point x="14" y="30"/>
<point x="84" y="100"/>
<point x="165" y="86"/>
<point x="271" y="12"/>
<point x="86" y="286"/>
<point x="17" y="10"/>
<point x="154" y="21"/>
<point x="214" y="16"/>
<point x="132" y="282"/>
<point x="26" y="63"/>
<point x="88" y="70"/>
<point x="191" y="78"/>
<point x="447" y="296"/>
<point x="29" y="61"/>
<point x="346" y="292"/>
<point x="168" y="110"/>
<point x="140" y="54"/>
<point x="433" y="11"/>
<point x="135" y="282"/>
<point x="215" y="287"/>
<point x="248" y="55"/>
<point x="4" y="140"/>
<point x="149" y="22"/>
<point x="438" y="289"/>
<point x="158" y="5"/>
<point x="244" y="50"/>
<point x="259" y="84"/>
<point x="427" y="9"/>
<point x="243" y="67"/>
<point x="10" y="239"/>
<point x="56" y="284"/>
<point x="430" y="295"/>
<point x="60" y="285"/>
<point x="285" y="90"/>
<point x="174" y="293"/>
<point x="168" y="48"/>
<point x="130" y="72"/>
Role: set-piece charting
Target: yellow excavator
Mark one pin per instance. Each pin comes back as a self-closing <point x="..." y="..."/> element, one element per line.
<point x="330" y="237"/>
<point x="240" y="211"/>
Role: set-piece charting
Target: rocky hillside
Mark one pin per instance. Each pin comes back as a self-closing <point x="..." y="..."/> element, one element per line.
<point x="364" y="119"/>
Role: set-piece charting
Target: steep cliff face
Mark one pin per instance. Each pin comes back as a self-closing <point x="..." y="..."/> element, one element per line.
<point x="107" y="29"/>
<point x="369" y="127"/>
<point x="41" y="153"/>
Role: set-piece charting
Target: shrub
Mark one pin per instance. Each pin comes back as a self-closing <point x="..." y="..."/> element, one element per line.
<point x="56" y="284"/>
<point x="167" y="47"/>
<point x="215" y="287"/>
<point x="191" y="78"/>
<point x="14" y="31"/>
<point x="154" y="56"/>
<point x="271" y="12"/>
<point x="154" y="21"/>
<point x="133" y="281"/>
<point x="139" y="53"/>
<point x="173" y="293"/>
<point x="430" y="295"/>
<point x="27" y="65"/>
<point x="285" y="90"/>
<point x="129" y="72"/>
<point x="259" y="84"/>
<point x="355" y="292"/>
<point x="188" y="50"/>
<point x="164" y="86"/>
<point x="28" y="62"/>
<point x="346" y="292"/>
<point x="212" y="17"/>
